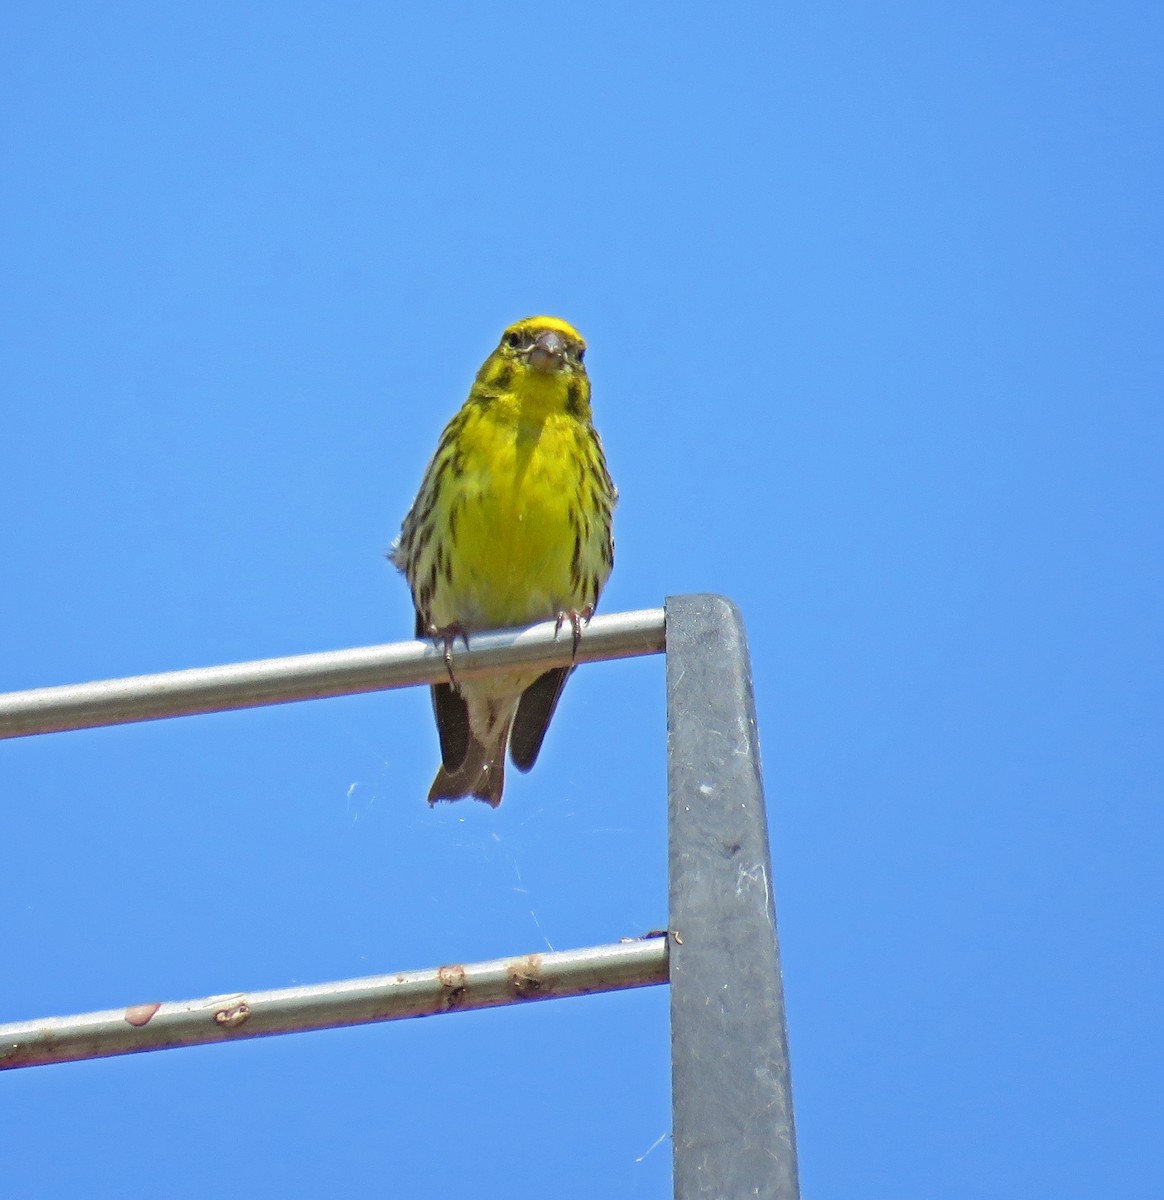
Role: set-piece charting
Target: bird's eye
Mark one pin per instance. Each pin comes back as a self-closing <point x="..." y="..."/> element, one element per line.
<point x="581" y="353"/>
<point x="512" y="339"/>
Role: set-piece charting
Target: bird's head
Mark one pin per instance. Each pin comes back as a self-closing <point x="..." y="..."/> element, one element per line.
<point x="538" y="366"/>
<point x="548" y="345"/>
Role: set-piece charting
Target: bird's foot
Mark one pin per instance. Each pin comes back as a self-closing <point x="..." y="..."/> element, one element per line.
<point x="444" y="638"/>
<point x="577" y="618"/>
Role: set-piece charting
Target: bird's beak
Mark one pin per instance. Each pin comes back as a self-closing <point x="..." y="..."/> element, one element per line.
<point x="548" y="353"/>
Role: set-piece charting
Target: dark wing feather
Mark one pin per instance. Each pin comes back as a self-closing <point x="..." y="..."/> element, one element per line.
<point x="452" y="722"/>
<point x="452" y="716"/>
<point x="534" y="710"/>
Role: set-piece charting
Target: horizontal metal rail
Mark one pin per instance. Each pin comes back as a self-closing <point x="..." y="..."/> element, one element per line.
<point x="313" y="676"/>
<point x="454" y="988"/>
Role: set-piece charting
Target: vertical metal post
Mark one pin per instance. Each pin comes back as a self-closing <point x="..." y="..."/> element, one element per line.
<point x="732" y="1098"/>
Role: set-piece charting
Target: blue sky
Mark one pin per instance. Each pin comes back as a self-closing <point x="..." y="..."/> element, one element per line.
<point x="873" y="300"/>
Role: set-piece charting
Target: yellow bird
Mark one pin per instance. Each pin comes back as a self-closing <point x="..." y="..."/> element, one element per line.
<point x="512" y="525"/>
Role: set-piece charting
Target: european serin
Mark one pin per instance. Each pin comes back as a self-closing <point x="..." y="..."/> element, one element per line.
<point x="512" y="525"/>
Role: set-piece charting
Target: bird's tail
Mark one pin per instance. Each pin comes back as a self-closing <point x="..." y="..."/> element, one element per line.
<point x="481" y="775"/>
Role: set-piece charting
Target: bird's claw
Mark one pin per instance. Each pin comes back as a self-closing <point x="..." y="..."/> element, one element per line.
<point x="577" y="618"/>
<point x="444" y="639"/>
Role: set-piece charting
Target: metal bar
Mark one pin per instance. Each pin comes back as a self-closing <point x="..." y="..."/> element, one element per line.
<point x="312" y="676"/>
<point x="733" y="1132"/>
<point x="454" y="988"/>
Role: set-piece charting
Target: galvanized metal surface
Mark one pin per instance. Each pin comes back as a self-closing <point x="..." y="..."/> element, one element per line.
<point x="312" y="676"/>
<point x="453" y="988"/>
<point x="733" y="1127"/>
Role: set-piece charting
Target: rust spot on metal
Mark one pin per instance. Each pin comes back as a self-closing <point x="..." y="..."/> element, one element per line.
<point x="525" y="977"/>
<point x="452" y="980"/>
<point x="141" y="1014"/>
<point x="233" y="1015"/>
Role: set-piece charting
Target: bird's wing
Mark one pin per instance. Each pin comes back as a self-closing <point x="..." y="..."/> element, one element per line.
<point x="534" y="710"/>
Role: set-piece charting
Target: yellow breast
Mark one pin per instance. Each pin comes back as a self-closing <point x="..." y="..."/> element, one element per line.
<point x="513" y="507"/>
